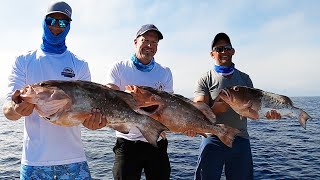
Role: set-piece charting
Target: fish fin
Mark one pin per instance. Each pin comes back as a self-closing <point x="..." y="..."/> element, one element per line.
<point x="51" y="107"/>
<point x="127" y="97"/>
<point x="206" y="110"/>
<point x="69" y="118"/>
<point x="123" y="95"/>
<point x="203" y="107"/>
<point x="183" y="98"/>
<point x="228" y="134"/>
<point x="121" y="127"/>
<point x="247" y="105"/>
<point x="143" y="97"/>
<point x="251" y="113"/>
<point x="246" y="110"/>
<point x="303" y="117"/>
<point x="151" y="130"/>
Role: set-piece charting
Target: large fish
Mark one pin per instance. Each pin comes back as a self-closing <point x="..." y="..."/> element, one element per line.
<point x="255" y="103"/>
<point x="69" y="103"/>
<point x="180" y="114"/>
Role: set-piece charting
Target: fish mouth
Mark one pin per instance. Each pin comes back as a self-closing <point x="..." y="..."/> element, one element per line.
<point x="150" y="109"/>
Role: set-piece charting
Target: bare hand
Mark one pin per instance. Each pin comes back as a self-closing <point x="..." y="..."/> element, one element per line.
<point x="21" y="107"/>
<point x="190" y="133"/>
<point x="163" y="135"/>
<point x="273" y="114"/>
<point x="96" y="121"/>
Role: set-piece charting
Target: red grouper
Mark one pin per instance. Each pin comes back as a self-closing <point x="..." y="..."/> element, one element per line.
<point x="255" y="103"/>
<point x="69" y="103"/>
<point x="180" y="114"/>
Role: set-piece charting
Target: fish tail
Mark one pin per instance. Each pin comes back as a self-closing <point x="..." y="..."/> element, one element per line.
<point x="303" y="117"/>
<point x="151" y="130"/>
<point x="227" y="135"/>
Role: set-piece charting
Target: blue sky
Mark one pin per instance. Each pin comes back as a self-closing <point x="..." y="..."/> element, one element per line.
<point x="277" y="42"/>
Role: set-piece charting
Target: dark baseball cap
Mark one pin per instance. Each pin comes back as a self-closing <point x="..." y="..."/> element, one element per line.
<point x="60" y="7"/>
<point x="218" y="37"/>
<point x="149" y="27"/>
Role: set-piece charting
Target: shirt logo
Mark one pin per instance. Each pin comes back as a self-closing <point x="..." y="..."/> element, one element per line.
<point x="68" y="72"/>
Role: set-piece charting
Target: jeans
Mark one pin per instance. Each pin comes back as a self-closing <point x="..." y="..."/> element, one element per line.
<point x="214" y="155"/>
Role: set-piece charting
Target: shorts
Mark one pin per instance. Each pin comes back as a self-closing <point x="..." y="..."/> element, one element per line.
<point x="77" y="171"/>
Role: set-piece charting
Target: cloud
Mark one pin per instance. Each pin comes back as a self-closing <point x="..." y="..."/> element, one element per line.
<point x="276" y="42"/>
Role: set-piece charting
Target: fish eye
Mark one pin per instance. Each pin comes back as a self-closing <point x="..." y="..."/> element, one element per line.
<point x="235" y="88"/>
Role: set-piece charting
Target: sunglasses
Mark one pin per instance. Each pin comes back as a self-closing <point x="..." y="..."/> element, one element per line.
<point x="222" y="48"/>
<point x="62" y="23"/>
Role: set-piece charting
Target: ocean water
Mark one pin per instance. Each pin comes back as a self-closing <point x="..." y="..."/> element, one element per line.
<point x="281" y="149"/>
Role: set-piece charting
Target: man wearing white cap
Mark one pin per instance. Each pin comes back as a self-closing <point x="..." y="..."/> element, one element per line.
<point x="132" y="151"/>
<point x="50" y="151"/>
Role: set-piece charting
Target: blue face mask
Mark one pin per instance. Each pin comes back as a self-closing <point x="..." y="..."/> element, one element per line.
<point x="142" y="67"/>
<point x="51" y="43"/>
<point x="224" y="70"/>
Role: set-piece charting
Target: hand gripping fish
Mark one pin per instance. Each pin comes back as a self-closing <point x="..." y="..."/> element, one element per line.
<point x="255" y="103"/>
<point x="180" y="114"/>
<point x="69" y="103"/>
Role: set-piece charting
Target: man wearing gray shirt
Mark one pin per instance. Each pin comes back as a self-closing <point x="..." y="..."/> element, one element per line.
<point x="214" y="155"/>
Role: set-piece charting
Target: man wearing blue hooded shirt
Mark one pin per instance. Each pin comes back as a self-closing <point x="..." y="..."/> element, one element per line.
<point x="50" y="151"/>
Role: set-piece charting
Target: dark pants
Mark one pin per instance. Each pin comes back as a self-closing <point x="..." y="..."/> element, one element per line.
<point x="214" y="155"/>
<point x="133" y="156"/>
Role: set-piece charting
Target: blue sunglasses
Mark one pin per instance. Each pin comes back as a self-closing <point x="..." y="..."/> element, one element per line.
<point x="62" y="23"/>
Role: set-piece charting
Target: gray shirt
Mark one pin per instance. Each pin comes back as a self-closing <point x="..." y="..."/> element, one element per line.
<point x="210" y="85"/>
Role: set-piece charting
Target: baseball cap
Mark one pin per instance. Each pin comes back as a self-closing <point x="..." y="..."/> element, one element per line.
<point x="149" y="27"/>
<point x="60" y="7"/>
<point x="218" y="37"/>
